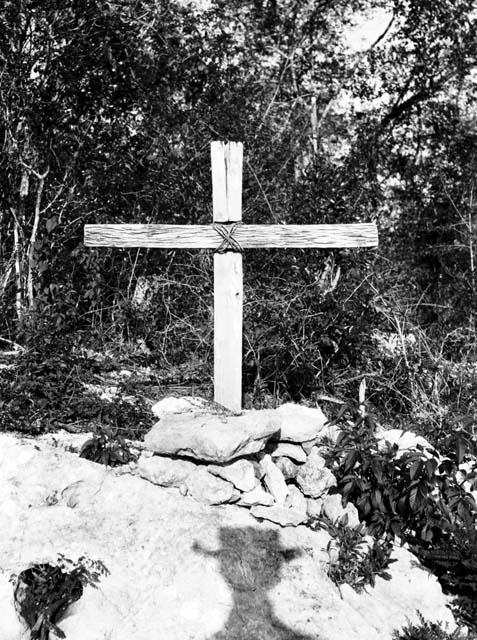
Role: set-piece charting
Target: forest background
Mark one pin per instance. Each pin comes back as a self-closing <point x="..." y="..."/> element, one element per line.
<point x="107" y="113"/>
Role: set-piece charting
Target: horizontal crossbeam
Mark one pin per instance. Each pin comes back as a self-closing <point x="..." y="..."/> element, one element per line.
<point x="249" y="236"/>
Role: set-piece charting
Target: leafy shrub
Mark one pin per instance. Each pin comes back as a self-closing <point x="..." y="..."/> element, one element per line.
<point x="44" y="592"/>
<point x="357" y="563"/>
<point x="426" y="630"/>
<point x="415" y="498"/>
<point x="107" y="447"/>
<point x="406" y="495"/>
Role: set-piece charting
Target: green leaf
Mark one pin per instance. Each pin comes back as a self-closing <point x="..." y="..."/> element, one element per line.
<point x="344" y="520"/>
<point x="461" y="449"/>
<point x="415" y="469"/>
<point x="51" y="224"/>
<point x="395" y="527"/>
<point x="350" y="461"/>
<point x="431" y="466"/>
<point x="376" y="466"/>
<point x="413" y="498"/>
<point x="347" y="488"/>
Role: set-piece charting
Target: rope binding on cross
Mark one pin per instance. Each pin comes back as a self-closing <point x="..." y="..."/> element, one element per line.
<point x="226" y="232"/>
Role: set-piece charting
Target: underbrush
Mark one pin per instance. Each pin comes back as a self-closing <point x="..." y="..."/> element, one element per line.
<point x="354" y="558"/>
<point x="425" y="630"/>
<point x="53" y="384"/>
<point x="418" y="497"/>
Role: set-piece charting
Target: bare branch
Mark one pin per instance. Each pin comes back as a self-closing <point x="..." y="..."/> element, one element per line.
<point x="34" y="231"/>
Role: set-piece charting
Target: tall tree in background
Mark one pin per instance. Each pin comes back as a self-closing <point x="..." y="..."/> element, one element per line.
<point x="108" y="109"/>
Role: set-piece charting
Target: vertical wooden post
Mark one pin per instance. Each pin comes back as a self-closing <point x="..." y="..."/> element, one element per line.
<point x="228" y="277"/>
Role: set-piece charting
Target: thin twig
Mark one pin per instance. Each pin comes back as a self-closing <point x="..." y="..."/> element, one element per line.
<point x="31" y="248"/>
<point x="263" y="192"/>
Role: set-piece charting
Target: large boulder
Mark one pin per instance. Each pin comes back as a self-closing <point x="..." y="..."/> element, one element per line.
<point x="210" y="437"/>
<point x="299" y="423"/>
<point x="183" y="570"/>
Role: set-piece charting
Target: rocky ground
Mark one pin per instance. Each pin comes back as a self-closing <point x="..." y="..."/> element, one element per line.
<point x="203" y="536"/>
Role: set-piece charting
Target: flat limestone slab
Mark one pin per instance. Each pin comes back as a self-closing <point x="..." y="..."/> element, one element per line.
<point x="299" y="423"/>
<point x="212" y="438"/>
<point x="184" y="404"/>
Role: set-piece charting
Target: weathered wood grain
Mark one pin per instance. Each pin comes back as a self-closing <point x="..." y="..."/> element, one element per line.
<point x="250" y="236"/>
<point x="228" y="277"/>
<point x="228" y="304"/>
<point x="226" y="161"/>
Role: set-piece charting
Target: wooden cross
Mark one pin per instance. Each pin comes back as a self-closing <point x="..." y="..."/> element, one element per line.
<point x="227" y="236"/>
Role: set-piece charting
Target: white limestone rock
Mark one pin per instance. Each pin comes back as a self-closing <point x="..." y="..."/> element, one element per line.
<point x="240" y="473"/>
<point x="212" y="438"/>
<point x="257" y="496"/>
<point x="287" y="467"/>
<point x="289" y="450"/>
<point x="309" y="444"/>
<point x="313" y="478"/>
<point x="190" y="570"/>
<point x="329" y="432"/>
<point x="274" y="480"/>
<point x="314" y="507"/>
<point x="334" y="510"/>
<point x="185" y="404"/>
<point x="299" y="423"/>
<point x="257" y="467"/>
<point x="296" y="500"/>
<point x="204" y="487"/>
<point x="284" y="516"/>
<point x="406" y="441"/>
<point x="380" y="607"/>
<point x="73" y="494"/>
<point x="163" y="471"/>
<point x="11" y="626"/>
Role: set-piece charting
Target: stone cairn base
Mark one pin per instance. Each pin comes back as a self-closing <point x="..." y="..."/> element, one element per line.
<point x="269" y="461"/>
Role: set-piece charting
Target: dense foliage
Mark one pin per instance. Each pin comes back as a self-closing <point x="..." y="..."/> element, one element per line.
<point x="107" y="111"/>
<point x="415" y="496"/>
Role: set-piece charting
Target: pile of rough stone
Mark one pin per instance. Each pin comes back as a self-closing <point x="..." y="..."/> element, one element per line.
<point x="268" y="461"/>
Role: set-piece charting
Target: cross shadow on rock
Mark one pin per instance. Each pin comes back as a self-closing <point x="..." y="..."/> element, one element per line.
<point x="250" y="562"/>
